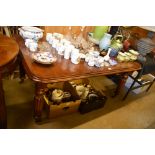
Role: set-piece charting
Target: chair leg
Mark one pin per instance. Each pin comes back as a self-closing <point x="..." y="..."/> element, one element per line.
<point x="150" y="85"/>
<point x="7" y="32"/>
<point x="125" y="96"/>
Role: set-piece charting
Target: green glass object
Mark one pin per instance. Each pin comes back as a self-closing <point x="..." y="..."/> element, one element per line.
<point x="99" y="31"/>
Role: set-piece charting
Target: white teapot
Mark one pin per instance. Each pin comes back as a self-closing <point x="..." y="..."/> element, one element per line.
<point x="57" y="95"/>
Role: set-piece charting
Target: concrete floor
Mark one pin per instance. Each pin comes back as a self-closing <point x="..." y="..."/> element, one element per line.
<point x="137" y="111"/>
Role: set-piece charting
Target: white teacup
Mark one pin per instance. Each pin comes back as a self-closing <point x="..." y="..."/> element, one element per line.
<point x="28" y="41"/>
<point x="75" y="56"/>
<point x="33" y="45"/>
<point x="60" y="49"/>
<point x="75" y="53"/>
<point x="94" y="53"/>
<point x="51" y="40"/>
<point x="68" y="50"/>
<point x="67" y="53"/>
<point x="75" y="60"/>
<point x="91" y="62"/>
<point x="55" y="43"/>
<point x="88" y="57"/>
<point x="49" y="36"/>
<point x="32" y="49"/>
<point x="99" y="63"/>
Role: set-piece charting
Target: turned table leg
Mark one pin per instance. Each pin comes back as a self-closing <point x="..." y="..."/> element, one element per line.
<point x="3" y="114"/>
<point x="38" y="101"/>
<point x="121" y="83"/>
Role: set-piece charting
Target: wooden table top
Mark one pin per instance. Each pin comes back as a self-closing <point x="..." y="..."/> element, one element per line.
<point x="8" y="49"/>
<point x="63" y="70"/>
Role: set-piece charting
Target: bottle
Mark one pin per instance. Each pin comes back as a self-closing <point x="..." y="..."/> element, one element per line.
<point x="126" y="45"/>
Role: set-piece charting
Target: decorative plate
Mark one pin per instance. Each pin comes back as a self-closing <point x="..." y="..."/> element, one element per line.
<point x="43" y="58"/>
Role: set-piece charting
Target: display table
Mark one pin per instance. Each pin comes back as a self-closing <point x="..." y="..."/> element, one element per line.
<point x="8" y="52"/>
<point x="64" y="70"/>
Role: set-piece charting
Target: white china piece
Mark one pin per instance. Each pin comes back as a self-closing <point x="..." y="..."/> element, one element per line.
<point x="49" y="36"/>
<point x="31" y="44"/>
<point x="68" y="51"/>
<point x="30" y="32"/>
<point x="75" y="56"/>
<point x="94" y="59"/>
<point x="107" y="57"/>
<point x="43" y="57"/>
<point x="57" y="95"/>
<point x="31" y="29"/>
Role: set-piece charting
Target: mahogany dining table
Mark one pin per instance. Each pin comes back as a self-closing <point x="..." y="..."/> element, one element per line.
<point x="8" y="54"/>
<point x="64" y="70"/>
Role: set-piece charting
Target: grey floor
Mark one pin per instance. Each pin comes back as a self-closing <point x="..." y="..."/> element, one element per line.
<point x="137" y="111"/>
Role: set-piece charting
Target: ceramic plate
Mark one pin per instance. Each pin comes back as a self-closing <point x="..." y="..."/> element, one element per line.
<point x="43" y="58"/>
<point x="32" y="29"/>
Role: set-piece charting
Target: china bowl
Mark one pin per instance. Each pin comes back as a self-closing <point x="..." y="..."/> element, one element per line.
<point x="30" y="32"/>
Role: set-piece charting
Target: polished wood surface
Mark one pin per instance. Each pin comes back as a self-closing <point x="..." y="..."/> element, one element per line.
<point x="8" y="52"/>
<point x="64" y="70"/>
<point x="8" y="49"/>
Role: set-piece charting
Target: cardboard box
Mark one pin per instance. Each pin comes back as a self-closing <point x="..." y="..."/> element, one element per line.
<point x="72" y="106"/>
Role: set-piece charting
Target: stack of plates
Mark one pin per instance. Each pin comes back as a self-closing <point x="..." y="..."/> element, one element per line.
<point x="145" y="45"/>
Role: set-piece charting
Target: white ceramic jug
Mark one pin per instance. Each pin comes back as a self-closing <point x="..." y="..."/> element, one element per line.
<point x="105" y="42"/>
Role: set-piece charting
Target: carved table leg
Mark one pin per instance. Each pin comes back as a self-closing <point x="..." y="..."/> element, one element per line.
<point x="38" y="101"/>
<point x="122" y="80"/>
<point x="3" y="114"/>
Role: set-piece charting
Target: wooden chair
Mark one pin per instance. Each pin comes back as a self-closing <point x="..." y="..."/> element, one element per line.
<point x="9" y="30"/>
<point x="148" y="67"/>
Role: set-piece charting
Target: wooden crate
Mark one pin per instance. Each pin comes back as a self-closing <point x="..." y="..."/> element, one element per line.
<point x="63" y="108"/>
